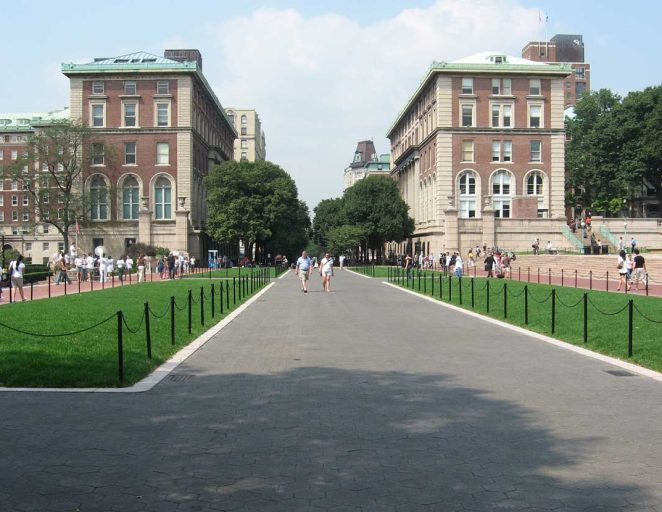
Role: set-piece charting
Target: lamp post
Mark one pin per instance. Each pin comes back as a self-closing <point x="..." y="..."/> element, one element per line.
<point x="625" y="235"/>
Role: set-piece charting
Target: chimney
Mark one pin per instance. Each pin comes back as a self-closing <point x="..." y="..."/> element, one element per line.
<point x="184" y="56"/>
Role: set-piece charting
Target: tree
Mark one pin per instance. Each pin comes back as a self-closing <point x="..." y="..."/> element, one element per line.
<point x="257" y="203"/>
<point x="50" y="173"/>
<point x="328" y="215"/>
<point x="345" y="238"/>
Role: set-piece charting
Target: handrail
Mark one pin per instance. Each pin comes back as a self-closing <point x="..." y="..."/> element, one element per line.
<point x="606" y="233"/>
<point x="572" y="238"/>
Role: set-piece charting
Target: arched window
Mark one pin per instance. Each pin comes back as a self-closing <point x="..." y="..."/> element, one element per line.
<point x="467" y="195"/>
<point x="163" y="199"/>
<point x="501" y="192"/>
<point x="535" y="186"/>
<point x="130" y="198"/>
<point x="244" y="119"/>
<point x="98" y="198"/>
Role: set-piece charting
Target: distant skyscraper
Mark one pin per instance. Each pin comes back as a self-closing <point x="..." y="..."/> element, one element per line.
<point x="250" y="144"/>
<point x="365" y="163"/>
<point x="566" y="48"/>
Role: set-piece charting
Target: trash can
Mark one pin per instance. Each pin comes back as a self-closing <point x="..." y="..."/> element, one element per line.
<point x="596" y="249"/>
<point x="605" y="249"/>
<point x="587" y="250"/>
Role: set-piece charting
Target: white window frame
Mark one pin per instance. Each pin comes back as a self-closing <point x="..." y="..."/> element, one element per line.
<point x="156" y="113"/>
<point x="531" y="153"/>
<point x="45" y="246"/>
<point x="163" y="203"/>
<point x="160" y="83"/>
<point x="95" y="155"/>
<point x="468" y="202"/>
<point x="131" y="203"/>
<point x="502" y="107"/>
<point x="471" y="104"/>
<point x="507" y="151"/>
<point x="14" y="154"/>
<point x="2" y="216"/>
<point x="244" y="144"/>
<point x="101" y="104"/>
<point x="95" y="87"/>
<point x="133" y="103"/>
<point x="541" y="118"/>
<point x="99" y="202"/>
<point x="25" y="200"/>
<point x="471" y="143"/>
<point x="468" y="84"/>
<point x="135" y="153"/>
<point x="14" y="200"/>
<point x="533" y="86"/>
<point x="161" y="154"/>
<point x="26" y="217"/>
<point x="2" y="154"/>
<point x="506" y="86"/>
<point x="14" y="215"/>
<point x="2" y="200"/>
<point x="496" y="84"/>
<point x="128" y="85"/>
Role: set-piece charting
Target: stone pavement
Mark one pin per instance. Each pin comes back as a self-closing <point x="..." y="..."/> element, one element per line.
<point x="365" y="399"/>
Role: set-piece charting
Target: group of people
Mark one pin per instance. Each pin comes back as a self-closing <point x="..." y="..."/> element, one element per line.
<point x="631" y="270"/>
<point x="305" y="266"/>
<point x="173" y="265"/>
<point x="86" y="265"/>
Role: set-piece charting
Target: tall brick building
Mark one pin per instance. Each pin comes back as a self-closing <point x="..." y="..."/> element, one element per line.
<point x="565" y="48"/>
<point x="478" y="152"/>
<point x="168" y="129"/>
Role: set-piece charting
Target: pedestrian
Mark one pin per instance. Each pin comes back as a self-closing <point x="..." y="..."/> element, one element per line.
<point x="639" y="269"/>
<point x="141" y="268"/>
<point x="121" y="265"/>
<point x="408" y="265"/>
<point x="16" y="272"/>
<point x="326" y="271"/>
<point x="633" y="244"/>
<point x="471" y="260"/>
<point x="171" y="266"/>
<point x="622" y="272"/>
<point x="458" y="265"/>
<point x="78" y="263"/>
<point x="160" y="267"/>
<point x="62" y="275"/>
<point x="303" y="269"/>
<point x="89" y="267"/>
<point x="103" y="268"/>
<point x="536" y="246"/>
<point x="342" y="261"/>
<point x="128" y="265"/>
<point x="489" y="264"/>
<point x="110" y="267"/>
<point x="621" y="244"/>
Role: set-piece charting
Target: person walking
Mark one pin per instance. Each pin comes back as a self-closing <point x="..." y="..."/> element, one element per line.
<point x="633" y="244"/>
<point x="160" y="267"/>
<point x="303" y="269"/>
<point x="121" y="265"/>
<point x="459" y="265"/>
<point x="622" y="272"/>
<point x="536" y="246"/>
<point x="639" y="269"/>
<point x="342" y="261"/>
<point x="141" y="268"/>
<point x="89" y="267"/>
<point x="489" y="265"/>
<point x="171" y="266"/>
<point x="16" y="272"/>
<point x="326" y="270"/>
<point x="408" y="265"/>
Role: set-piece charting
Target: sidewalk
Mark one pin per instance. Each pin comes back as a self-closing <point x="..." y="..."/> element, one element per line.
<point x="363" y="399"/>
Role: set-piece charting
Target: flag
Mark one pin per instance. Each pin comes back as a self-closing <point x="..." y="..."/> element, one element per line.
<point x="539" y="17"/>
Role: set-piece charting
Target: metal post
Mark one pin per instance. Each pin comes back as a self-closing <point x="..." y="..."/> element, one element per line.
<point x="526" y="304"/>
<point x="528" y="274"/>
<point x="519" y="273"/>
<point x="549" y="274"/>
<point x="32" y="290"/>
<point x="459" y="284"/>
<point x="227" y="295"/>
<point x="425" y="283"/>
<point x="472" y="293"/>
<point x="79" y="282"/>
<point x="585" y="317"/>
<point x="505" y="299"/>
<point x="120" y="347"/>
<point x="213" y="301"/>
<point x="202" y="305"/>
<point x="172" y="320"/>
<point x="112" y="280"/>
<point x="561" y="278"/>
<point x="148" y="334"/>
<point x="538" y="275"/>
<point x="441" y="286"/>
<point x="418" y="272"/>
<point x="432" y="285"/>
<point x="66" y="278"/>
<point x="49" y="287"/>
<point x="646" y="284"/>
<point x="607" y="280"/>
<point x="221" y="297"/>
<point x="488" y="295"/>
<point x="553" y="310"/>
<point x="234" y="290"/>
<point x="575" y="278"/>
<point x="190" y="311"/>
<point x="450" y="288"/>
<point x="630" y="314"/>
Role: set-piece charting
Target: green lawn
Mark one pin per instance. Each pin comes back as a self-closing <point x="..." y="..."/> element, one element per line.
<point x="607" y="313"/>
<point x="91" y="358"/>
<point x="230" y="272"/>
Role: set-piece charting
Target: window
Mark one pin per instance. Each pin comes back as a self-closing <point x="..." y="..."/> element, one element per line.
<point x="14" y="215"/>
<point x="97" y="154"/>
<point x="130" y="199"/>
<point x="243" y="130"/>
<point x="98" y="115"/>
<point x="162" y="114"/>
<point x="467" y="86"/>
<point x="496" y="86"/>
<point x="580" y="73"/>
<point x="162" y="199"/>
<point x="130" y="114"/>
<point x="130" y="88"/>
<point x="162" y="153"/>
<point x="535" y="115"/>
<point x="45" y="246"/>
<point x="45" y="229"/>
<point x="507" y="87"/>
<point x="2" y="216"/>
<point x="467" y="195"/>
<point x="2" y="154"/>
<point x="535" y="147"/>
<point x="502" y="151"/>
<point x="98" y="198"/>
<point x="244" y="119"/>
<point x="14" y="200"/>
<point x="26" y="201"/>
<point x="98" y="88"/>
<point x="467" y="151"/>
<point x="26" y="217"/>
<point x="60" y="246"/>
<point x="534" y="87"/>
<point x="496" y="151"/>
<point x="507" y="147"/>
<point x="129" y="153"/>
<point x="244" y="144"/>
<point x="14" y="185"/>
<point x="28" y="246"/>
<point x="244" y="156"/>
<point x="501" y="193"/>
<point x="534" y="183"/>
<point x="502" y="115"/>
<point x="467" y="114"/>
<point x="2" y="200"/>
<point x="580" y="88"/>
<point x="162" y="87"/>
<point x="14" y="154"/>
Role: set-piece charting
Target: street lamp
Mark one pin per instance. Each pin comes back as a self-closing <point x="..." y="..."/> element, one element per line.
<point x="625" y="235"/>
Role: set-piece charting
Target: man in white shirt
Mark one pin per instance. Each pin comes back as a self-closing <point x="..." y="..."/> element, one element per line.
<point x="89" y="267"/>
<point x="121" y="264"/>
<point x="128" y="265"/>
<point x="78" y="263"/>
<point x="303" y="269"/>
<point x="103" y="262"/>
<point x="342" y="261"/>
<point x="458" y="265"/>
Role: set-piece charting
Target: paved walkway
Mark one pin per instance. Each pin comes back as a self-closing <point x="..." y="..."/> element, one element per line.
<point x="363" y="399"/>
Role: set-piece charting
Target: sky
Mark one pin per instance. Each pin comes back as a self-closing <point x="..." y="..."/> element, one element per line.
<point x="322" y="74"/>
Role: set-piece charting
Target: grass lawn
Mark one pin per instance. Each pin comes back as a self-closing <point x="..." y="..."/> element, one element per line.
<point x="90" y="359"/>
<point x="607" y="313"/>
<point x="230" y="272"/>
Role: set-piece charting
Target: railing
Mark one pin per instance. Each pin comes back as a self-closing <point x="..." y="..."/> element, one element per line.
<point x="605" y="232"/>
<point x="572" y="238"/>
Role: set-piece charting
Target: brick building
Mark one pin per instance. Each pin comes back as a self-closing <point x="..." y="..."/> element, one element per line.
<point x="564" y="48"/>
<point x="250" y="144"/>
<point x="478" y="153"/>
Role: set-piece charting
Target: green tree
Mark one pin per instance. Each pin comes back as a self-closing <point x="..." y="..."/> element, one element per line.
<point x="328" y="215"/>
<point x="257" y="203"/>
<point x="344" y="239"/>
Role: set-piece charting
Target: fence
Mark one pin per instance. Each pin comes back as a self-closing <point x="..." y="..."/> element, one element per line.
<point x="446" y="286"/>
<point x="242" y="287"/>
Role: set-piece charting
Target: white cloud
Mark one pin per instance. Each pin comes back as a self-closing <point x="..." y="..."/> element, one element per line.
<point x="322" y="83"/>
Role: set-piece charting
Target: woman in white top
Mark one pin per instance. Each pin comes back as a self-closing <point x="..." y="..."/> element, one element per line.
<point x="326" y="270"/>
<point x="16" y="270"/>
<point x="622" y="272"/>
<point x="103" y="265"/>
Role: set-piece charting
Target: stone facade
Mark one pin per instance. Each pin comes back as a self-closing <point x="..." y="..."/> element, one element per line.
<point x="480" y="144"/>
<point x="250" y="144"/>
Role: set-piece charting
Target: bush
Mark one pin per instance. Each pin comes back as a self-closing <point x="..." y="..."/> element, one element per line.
<point x="140" y="248"/>
<point x="162" y="251"/>
<point x="35" y="277"/>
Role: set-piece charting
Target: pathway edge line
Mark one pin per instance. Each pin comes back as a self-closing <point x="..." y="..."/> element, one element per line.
<point x="360" y="275"/>
<point x="640" y="370"/>
<point x="160" y="372"/>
